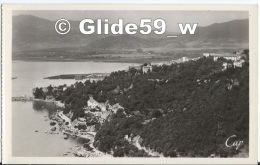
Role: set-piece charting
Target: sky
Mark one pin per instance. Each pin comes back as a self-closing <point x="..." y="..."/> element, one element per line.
<point x="172" y="18"/>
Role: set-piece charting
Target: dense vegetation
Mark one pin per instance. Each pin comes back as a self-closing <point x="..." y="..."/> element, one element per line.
<point x="194" y="107"/>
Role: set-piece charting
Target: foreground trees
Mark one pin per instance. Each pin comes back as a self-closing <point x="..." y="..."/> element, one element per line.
<point x="186" y="109"/>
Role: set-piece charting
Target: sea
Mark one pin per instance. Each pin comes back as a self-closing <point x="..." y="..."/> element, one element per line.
<point x="31" y="124"/>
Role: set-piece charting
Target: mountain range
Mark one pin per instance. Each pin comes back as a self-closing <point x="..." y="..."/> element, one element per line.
<point x="32" y="33"/>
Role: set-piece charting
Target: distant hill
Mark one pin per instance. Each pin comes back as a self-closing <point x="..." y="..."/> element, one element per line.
<point x="33" y="33"/>
<point x="225" y="34"/>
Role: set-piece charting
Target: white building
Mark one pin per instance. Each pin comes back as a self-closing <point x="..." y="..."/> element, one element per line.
<point x="184" y="59"/>
<point x="147" y="68"/>
<point x="239" y="63"/>
<point x="226" y="65"/>
<point x="92" y="103"/>
<point x="181" y="60"/>
<point x="64" y="88"/>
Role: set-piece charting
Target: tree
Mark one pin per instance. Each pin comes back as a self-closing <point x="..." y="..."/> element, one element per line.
<point x="39" y="94"/>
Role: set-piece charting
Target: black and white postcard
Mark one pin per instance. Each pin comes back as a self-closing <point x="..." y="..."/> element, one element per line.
<point x="129" y="84"/>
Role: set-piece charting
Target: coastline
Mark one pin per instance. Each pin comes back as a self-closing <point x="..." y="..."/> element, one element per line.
<point x="120" y="60"/>
<point x="58" y="125"/>
<point x="89" y="149"/>
<point x="64" y="125"/>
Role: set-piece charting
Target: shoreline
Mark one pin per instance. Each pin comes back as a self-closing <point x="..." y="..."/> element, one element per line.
<point x="130" y="61"/>
<point x="64" y="125"/>
<point x="78" y="76"/>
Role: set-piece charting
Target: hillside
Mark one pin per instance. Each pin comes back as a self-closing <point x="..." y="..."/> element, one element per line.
<point x="34" y="33"/>
<point x="221" y="34"/>
<point x="178" y="110"/>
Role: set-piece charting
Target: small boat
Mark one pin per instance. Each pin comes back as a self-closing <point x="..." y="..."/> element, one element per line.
<point x="13" y="78"/>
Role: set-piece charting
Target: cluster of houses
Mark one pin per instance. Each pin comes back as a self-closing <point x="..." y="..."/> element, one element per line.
<point x="101" y="110"/>
<point x="235" y="61"/>
<point x="79" y="127"/>
<point x="177" y="61"/>
<point x="148" y="67"/>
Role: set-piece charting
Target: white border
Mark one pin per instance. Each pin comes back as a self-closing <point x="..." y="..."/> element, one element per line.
<point x="131" y="1"/>
<point x="6" y="58"/>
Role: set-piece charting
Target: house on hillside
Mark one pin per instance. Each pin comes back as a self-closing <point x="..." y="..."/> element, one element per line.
<point x="92" y="103"/>
<point x="181" y="60"/>
<point x="64" y="88"/>
<point x="227" y="56"/>
<point x="147" y="68"/>
<point x="237" y="61"/>
<point x="184" y="59"/>
<point x="226" y="65"/>
<point x="238" y="64"/>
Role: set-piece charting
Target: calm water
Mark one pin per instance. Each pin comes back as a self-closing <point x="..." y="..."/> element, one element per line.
<point x="27" y="119"/>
